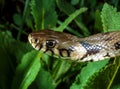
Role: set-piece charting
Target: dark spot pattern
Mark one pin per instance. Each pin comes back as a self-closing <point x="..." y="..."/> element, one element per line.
<point x="91" y="49"/>
<point x="107" y="55"/>
<point x="40" y="46"/>
<point x="107" y="39"/>
<point x="91" y="60"/>
<point x="68" y="51"/>
<point x="71" y="49"/>
<point x="117" y="45"/>
<point x="61" y="52"/>
<point x="49" y="50"/>
<point x="84" y="56"/>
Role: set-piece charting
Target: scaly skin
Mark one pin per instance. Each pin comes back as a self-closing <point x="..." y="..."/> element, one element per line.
<point x="92" y="48"/>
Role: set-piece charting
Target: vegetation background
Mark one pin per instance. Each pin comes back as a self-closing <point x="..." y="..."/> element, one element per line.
<point x="21" y="67"/>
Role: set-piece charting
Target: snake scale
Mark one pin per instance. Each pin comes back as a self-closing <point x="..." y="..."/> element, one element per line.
<point x="67" y="46"/>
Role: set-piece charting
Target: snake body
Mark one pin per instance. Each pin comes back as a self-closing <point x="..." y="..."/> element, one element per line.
<point x="67" y="46"/>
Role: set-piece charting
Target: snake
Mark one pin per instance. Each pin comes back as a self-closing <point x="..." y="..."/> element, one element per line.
<point x="63" y="45"/>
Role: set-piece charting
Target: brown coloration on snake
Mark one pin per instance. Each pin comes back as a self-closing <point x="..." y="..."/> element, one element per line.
<point x="92" y="48"/>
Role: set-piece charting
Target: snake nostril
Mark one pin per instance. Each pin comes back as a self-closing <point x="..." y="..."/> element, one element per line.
<point x="36" y="40"/>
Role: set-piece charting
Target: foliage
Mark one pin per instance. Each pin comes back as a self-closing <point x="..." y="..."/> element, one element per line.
<point x="21" y="67"/>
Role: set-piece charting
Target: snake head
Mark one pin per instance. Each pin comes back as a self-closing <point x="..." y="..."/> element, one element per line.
<point x="52" y="42"/>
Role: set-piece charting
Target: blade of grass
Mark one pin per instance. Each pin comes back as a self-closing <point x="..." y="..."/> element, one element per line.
<point x="70" y="18"/>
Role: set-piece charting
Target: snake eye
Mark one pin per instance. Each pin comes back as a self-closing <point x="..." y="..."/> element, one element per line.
<point x="50" y="43"/>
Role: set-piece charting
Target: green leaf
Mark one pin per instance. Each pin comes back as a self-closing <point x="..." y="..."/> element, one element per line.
<point x="70" y="18"/>
<point x="6" y="69"/>
<point x="44" y="14"/>
<point x="26" y="15"/>
<point x="98" y="22"/>
<point x="69" y="9"/>
<point x="115" y="83"/>
<point x="98" y="73"/>
<point x="17" y="19"/>
<point x="27" y="71"/>
<point x="60" y="68"/>
<point x="110" y="18"/>
<point x="74" y="2"/>
<point x="6" y="64"/>
<point x="87" y="73"/>
<point x="105" y="77"/>
<point x="10" y="51"/>
<point x="44" y="80"/>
